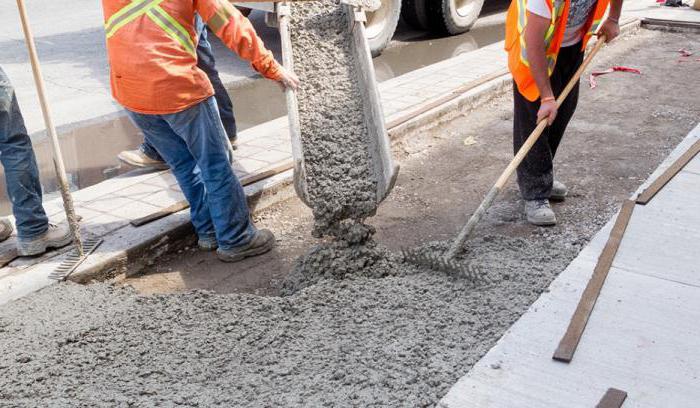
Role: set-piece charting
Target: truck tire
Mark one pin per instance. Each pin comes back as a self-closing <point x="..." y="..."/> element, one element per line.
<point x="453" y="16"/>
<point x="415" y="14"/>
<point x="381" y="25"/>
<point x="245" y="11"/>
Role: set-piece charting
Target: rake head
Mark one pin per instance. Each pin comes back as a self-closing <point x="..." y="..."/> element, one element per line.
<point x="437" y="262"/>
<point x="74" y="259"/>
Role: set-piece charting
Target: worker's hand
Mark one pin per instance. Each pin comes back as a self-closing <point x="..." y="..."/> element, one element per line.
<point x="548" y="111"/>
<point x="610" y="28"/>
<point x="288" y="79"/>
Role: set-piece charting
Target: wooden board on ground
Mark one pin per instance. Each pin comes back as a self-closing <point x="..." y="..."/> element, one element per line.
<point x="183" y="205"/>
<point x="568" y="344"/>
<point x="667" y="175"/>
<point x="613" y="398"/>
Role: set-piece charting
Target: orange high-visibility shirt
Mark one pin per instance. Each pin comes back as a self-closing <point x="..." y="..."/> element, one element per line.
<point x="151" y="46"/>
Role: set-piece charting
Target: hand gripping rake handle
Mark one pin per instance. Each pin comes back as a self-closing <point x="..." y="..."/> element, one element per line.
<point x="467" y="230"/>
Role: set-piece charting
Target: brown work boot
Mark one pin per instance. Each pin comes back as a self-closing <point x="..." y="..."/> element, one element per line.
<point x="263" y="241"/>
<point x="137" y="158"/>
<point x="5" y="229"/>
<point x="56" y="236"/>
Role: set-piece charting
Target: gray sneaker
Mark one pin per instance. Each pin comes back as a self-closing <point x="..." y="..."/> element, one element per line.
<point x="56" y="236"/>
<point x="559" y="191"/>
<point x="137" y="158"/>
<point x="263" y="241"/>
<point x="538" y="212"/>
<point x="5" y="229"/>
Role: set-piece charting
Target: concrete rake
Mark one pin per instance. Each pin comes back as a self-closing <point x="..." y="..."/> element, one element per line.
<point x="448" y="263"/>
<point x="74" y="258"/>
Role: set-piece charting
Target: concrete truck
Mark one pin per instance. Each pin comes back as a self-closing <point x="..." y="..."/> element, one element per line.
<point x="441" y="16"/>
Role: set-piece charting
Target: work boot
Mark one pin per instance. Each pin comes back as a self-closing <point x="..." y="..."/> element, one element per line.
<point x="559" y="191"/>
<point x="207" y="244"/>
<point x="56" y="236"/>
<point x="137" y="158"/>
<point x="538" y="212"/>
<point x="5" y="229"/>
<point x="263" y="241"/>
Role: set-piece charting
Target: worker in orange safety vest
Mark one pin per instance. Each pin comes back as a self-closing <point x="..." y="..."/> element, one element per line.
<point x="151" y="46"/>
<point x="546" y="40"/>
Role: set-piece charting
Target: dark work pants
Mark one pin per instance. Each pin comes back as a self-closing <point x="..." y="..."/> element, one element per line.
<point x="535" y="175"/>
<point x="206" y="62"/>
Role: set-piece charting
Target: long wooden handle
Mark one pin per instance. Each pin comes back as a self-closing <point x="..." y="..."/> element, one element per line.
<point x="519" y="156"/>
<point x="535" y="135"/>
<point x="50" y="128"/>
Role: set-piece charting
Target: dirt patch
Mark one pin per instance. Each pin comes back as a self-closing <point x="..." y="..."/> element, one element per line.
<point x="400" y="340"/>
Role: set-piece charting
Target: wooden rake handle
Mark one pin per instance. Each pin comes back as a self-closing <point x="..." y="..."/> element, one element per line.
<point x="519" y="156"/>
<point x="50" y="128"/>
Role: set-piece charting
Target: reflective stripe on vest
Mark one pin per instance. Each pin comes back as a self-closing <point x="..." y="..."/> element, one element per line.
<point x="220" y="18"/>
<point x="155" y="13"/>
<point x="550" y="54"/>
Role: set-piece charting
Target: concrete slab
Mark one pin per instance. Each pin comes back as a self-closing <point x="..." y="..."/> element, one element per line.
<point x="642" y="334"/>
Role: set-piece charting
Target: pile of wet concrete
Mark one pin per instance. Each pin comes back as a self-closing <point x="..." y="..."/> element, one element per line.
<point x="401" y="340"/>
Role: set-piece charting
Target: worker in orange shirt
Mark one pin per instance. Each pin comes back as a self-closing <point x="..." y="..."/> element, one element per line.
<point x="151" y="46"/>
<point x="545" y="40"/>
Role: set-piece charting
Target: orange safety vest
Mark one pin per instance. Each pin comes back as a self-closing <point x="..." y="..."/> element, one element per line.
<point x="515" y="39"/>
<point x="152" y="51"/>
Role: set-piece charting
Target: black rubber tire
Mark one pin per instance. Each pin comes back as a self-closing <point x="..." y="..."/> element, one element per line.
<point x="415" y="14"/>
<point x="444" y="17"/>
<point x="245" y="11"/>
<point x="379" y="40"/>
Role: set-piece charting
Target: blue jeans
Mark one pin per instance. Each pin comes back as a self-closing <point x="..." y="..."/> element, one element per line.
<point x="205" y="62"/>
<point x="21" y="172"/>
<point x="193" y="143"/>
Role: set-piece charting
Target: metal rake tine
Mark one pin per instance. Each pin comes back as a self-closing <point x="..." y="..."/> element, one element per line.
<point x="74" y="259"/>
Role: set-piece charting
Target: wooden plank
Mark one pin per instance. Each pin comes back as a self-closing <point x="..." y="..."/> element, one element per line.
<point x="613" y="398"/>
<point x="245" y="181"/>
<point x="568" y="344"/>
<point x="667" y="175"/>
<point x="441" y="100"/>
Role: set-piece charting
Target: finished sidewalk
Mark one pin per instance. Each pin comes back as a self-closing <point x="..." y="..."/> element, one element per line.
<point x="643" y="334"/>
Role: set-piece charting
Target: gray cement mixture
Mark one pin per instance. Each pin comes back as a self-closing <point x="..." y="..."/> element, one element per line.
<point x="376" y="334"/>
<point x="396" y="341"/>
<point x="340" y="177"/>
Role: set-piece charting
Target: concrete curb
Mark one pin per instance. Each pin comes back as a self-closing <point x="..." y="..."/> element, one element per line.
<point x="176" y="230"/>
<point x="145" y="244"/>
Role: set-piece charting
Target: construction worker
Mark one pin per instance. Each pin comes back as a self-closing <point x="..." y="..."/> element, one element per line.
<point x="34" y="232"/>
<point x="146" y="155"/>
<point x="545" y="40"/>
<point x="154" y="75"/>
